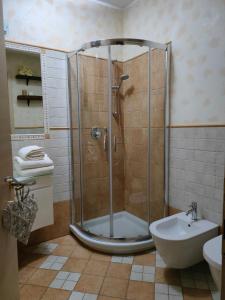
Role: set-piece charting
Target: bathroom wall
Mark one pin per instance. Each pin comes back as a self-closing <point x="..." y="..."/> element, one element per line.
<point x="60" y="24"/>
<point x="196" y="29"/>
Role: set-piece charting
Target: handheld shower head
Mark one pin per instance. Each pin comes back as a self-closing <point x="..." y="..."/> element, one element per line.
<point x="124" y="77"/>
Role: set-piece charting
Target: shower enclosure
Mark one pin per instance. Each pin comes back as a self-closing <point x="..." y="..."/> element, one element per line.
<point x="119" y="137"/>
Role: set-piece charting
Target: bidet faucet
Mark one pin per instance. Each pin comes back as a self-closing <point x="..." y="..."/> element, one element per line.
<point x="193" y="211"/>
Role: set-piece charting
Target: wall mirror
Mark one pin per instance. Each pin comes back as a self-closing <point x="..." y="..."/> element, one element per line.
<point x="26" y="87"/>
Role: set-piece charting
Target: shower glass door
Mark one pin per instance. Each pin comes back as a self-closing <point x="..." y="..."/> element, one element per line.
<point x="93" y="140"/>
<point x="130" y="139"/>
<point x="118" y="130"/>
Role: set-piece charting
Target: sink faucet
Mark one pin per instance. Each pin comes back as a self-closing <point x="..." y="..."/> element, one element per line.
<point x="193" y="211"/>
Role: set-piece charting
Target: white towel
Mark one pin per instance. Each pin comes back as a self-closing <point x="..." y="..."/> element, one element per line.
<point x="33" y="172"/>
<point x="32" y="164"/>
<point x="31" y="153"/>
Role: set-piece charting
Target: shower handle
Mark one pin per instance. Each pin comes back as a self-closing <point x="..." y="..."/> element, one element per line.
<point x="114" y="143"/>
<point x="105" y="141"/>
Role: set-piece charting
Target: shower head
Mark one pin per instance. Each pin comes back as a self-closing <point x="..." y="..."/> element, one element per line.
<point x="124" y="77"/>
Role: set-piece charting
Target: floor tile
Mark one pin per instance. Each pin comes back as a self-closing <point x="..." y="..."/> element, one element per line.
<point x="54" y="262"/>
<point x="175" y="290"/>
<point x="66" y="240"/>
<point x="75" y="265"/>
<point x="81" y="252"/>
<point x="101" y="257"/>
<point x="56" y="283"/>
<point x="82" y="296"/>
<point x="28" y="292"/>
<point x="145" y="259"/>
<point x="175" y="297"/>
<point x="65" y="280"/>
<point x="169" y="276"/>
<point x="95" y="267"/>
<point x="42" y="277"/>
<point x="45" y="248"/>
<point x="196" y="294"/>
<point x="107" y="298"/>
<point x="89" y="284"/>
<point x="161" y="297"/>
<point x="63" y="250"/>
<point x="136" y="276"/>
<point x="55" y="294"/>
<point x="121" y="271"/>
<point x="148" y="277"/>
<point x="140" y="290"/>
<point x="114" y="287"/>
<point x="69" y="285"/>
<point x="161" y="288"/>
<point x="25" y="273"/>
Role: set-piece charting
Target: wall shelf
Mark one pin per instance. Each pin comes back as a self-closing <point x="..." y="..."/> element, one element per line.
<point x="29" y="98"/>
<point x="28" y="78"/>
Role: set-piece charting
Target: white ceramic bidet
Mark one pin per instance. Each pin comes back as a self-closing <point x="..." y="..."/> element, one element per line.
<point x="180" y="240"/>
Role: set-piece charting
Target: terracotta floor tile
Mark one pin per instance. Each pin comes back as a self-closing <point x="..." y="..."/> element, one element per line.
<point x="63" y="250"/>
<point x="89" y="284"/>
<point x="65" y="240"/>
<point x="28" y="292"/>
<point x="114" y="287"/>
<point x="96" y="267"/>
<point x="121" y="271"/>
<point x="101" y="257"/>
<point x="138" y="290"/>
<point x="196" y="294"/>
<point x="32" y="260"/>
<point x="25" y="273"/>
<point x="75" y="265"/>
<point x="169" y="276"/>
<point x="42" y="277"/>
<point x="81" y="252"/>
<point x="56" y="294"/>
<point x="147" y="259"/>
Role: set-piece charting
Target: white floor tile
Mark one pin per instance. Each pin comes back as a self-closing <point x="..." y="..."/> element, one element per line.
<point x="61" y="259"/>
<point x="161" y="288"/>
<point x="137" y="268"/>
<point x="56" y="266"/>
<point x="128" y="260"/>
<point x="74" y="276"/>
<point x="216" y="295"/>
<point x="57" y="283"/>
<point x="69" y="285"/>
<point x="161" y="297"/>
<point x="149" y="277"/>
<point x="45" y="265"/>
<point x="90" y="297"/>
<point x="76" y="296"/>
<point x="62" y="275"/>
<point x="136" y="276"/>
<point x="117" y="259"/>
<point x="175" y="297"/>
<point x="175" y="290"/>
<point x="149" y="270"/>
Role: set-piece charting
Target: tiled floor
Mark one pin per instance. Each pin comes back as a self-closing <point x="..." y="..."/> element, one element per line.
<point x="64" y="269"/>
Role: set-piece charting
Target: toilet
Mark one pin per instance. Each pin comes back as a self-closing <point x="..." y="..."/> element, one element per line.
<point x="212" y="252"/>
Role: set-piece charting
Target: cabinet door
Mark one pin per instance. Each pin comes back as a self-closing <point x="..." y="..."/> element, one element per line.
<point x="45" y="215"/>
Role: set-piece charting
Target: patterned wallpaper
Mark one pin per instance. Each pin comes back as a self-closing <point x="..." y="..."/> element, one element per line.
<point x="195" y="27"/>
<point x="60" y="24"/>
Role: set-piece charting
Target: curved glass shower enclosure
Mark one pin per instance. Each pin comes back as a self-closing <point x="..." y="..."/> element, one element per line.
<point x="119" y="137"/>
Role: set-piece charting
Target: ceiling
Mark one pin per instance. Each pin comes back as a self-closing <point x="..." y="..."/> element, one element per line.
<point x="118" y="3"/>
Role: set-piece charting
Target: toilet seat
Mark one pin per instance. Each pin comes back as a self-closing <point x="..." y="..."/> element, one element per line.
<point x="212" y="252"/>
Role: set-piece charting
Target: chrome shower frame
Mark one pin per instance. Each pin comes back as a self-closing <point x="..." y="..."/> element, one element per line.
<point x="111" y="244"/>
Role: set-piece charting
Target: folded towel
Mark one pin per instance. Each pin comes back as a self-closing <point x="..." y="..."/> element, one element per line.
<point x="32" y="164"/>
<point x="31" y="153"/>
<point x="33" y="172"/>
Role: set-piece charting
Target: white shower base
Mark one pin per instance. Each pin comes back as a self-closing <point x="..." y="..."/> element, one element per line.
<point x="126" y="225"/>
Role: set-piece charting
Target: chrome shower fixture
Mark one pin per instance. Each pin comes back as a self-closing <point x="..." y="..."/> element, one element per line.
<point x="122" y="78"/>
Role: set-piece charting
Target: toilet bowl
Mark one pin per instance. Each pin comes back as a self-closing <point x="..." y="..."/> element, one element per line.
<point x="212" y="252"/>
<point x="180" y="240"/>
